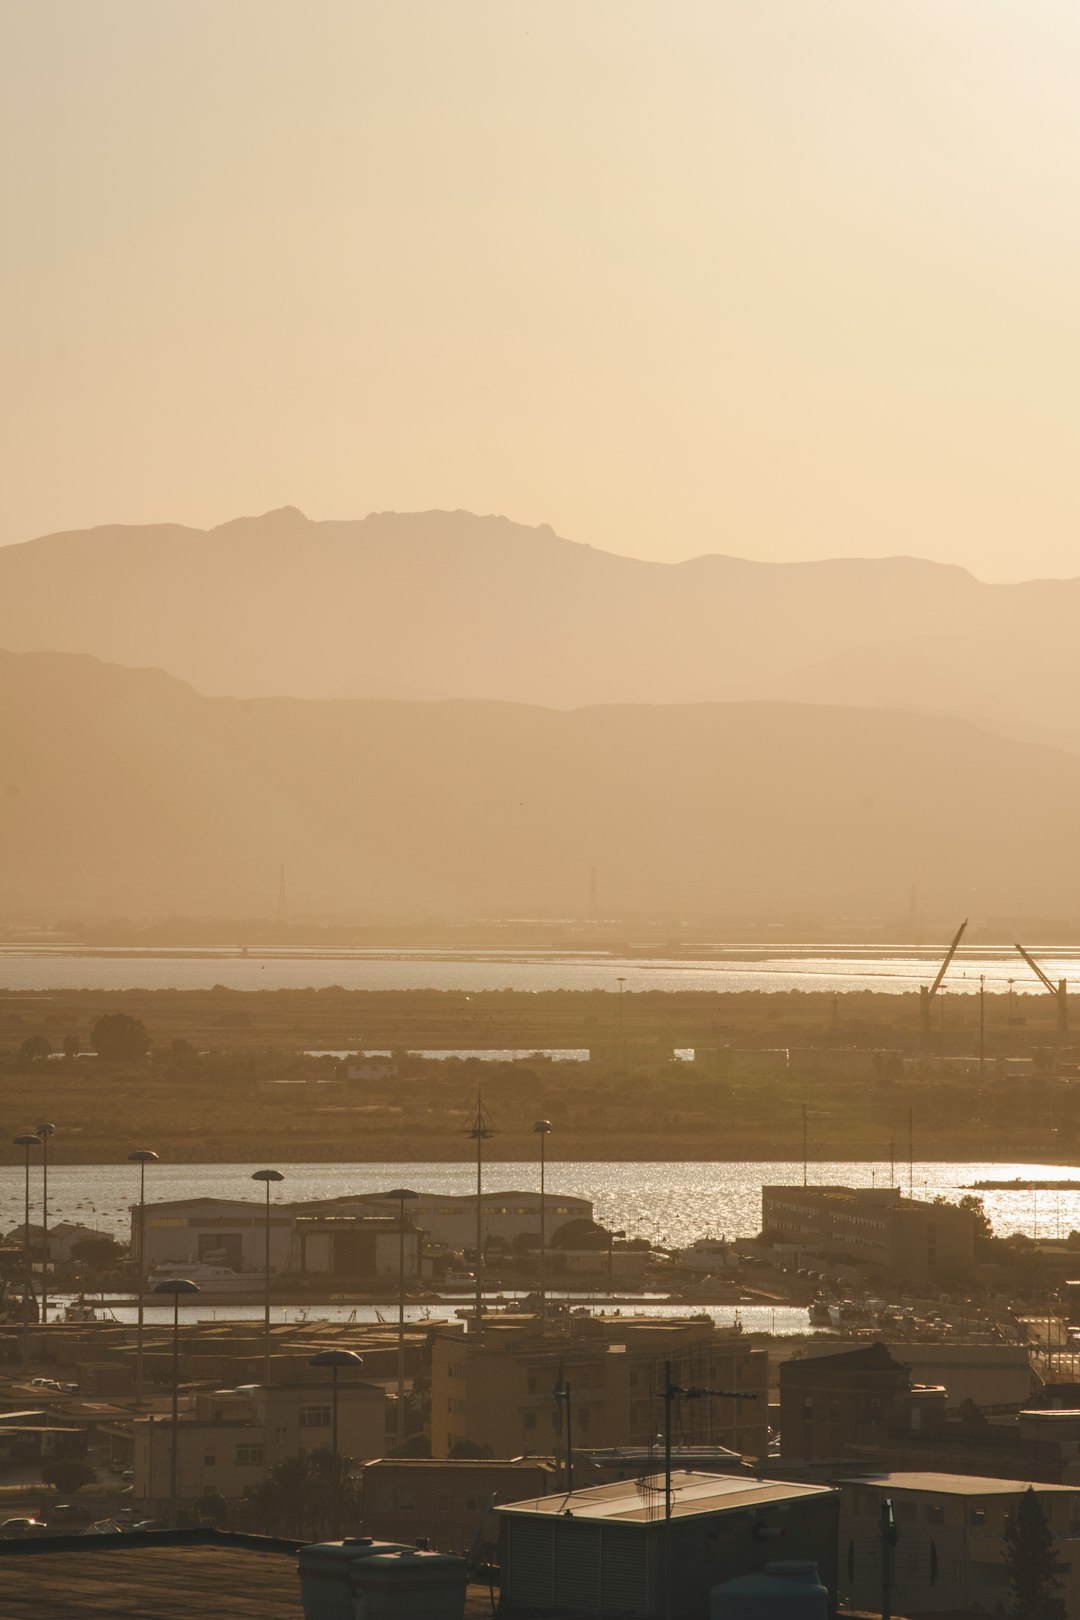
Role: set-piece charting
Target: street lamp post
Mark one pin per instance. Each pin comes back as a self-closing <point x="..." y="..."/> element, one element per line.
<point x="611" y="1257"/>
<point x="45" y="1130"/>
<point x="176" y="1286"/>
<point x="27" y="1140"/>
<point x="542" y="1129"/>
<point x="335" y="1359"/>
<point x="479" y="1131"/>
<point x="401" y="1194"/>
<point x="142" y="1157"/>
<point x="268" y="1177"/>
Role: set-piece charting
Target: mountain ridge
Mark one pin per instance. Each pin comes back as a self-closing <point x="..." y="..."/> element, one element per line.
<point x="448" y="604"/>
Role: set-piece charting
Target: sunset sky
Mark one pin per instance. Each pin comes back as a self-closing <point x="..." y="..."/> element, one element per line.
<point x="780" y="278"/>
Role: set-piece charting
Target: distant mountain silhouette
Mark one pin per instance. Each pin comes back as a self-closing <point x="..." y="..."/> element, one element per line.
<point x="448" y="605"/>
<point x="125" y="792"/>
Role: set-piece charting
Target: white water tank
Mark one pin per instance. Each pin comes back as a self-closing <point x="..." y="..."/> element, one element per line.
<point x="411" y="1584"/>
<point x="325" y="1574"/>
<point x="784" y="1591"/>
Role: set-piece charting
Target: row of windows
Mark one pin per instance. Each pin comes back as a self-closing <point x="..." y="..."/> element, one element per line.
<point x="247" y="1454"/>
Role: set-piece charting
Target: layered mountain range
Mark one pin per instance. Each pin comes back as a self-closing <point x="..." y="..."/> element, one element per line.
<point x="441" y="605"/>
<point x="126" y="792"/>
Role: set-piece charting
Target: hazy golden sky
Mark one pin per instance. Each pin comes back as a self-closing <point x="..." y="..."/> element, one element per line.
<point x="782" y="278"/>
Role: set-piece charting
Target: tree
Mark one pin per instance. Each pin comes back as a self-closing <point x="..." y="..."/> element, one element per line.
<point x="118" y="1038"/>
<point x="1030" y="1560"/>
<point x="68" y="1474"/>
<point x="579" y="1234"/>
<point x="294" y="1498"/>
<point x="97" y="1253"/>
<point x="34" y="1047"/>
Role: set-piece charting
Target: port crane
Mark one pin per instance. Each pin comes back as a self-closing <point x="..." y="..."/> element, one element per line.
<point x="926" y="996"/>
<point x="1059" y="991"/>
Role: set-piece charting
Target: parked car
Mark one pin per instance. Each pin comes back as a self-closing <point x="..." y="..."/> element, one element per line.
<point x="16" y="1529"/>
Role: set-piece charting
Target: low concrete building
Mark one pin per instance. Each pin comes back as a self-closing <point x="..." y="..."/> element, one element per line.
<point x="353" y="1235"/>
<point x="996" y="1377"/>
<point x="445" y="1502"/>
<point x="950" y="1547"/>
<point x="609" y="1551"/>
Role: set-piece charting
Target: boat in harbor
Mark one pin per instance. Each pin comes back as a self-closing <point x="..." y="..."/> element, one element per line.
<point x="210" y="1279"/>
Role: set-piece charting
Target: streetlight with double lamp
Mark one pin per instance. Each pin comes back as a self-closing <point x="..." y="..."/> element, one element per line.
<point x="402" y="1194"/>
<point x="27" y="1140"/>
<point x="268" y="1177"/>
<point x="335" y="1359"/>
<point x="542" y="1129"/>
<point x="178" y="1287"/>
<point x="142" y="1157"/>
<point x="45" y="1130"/>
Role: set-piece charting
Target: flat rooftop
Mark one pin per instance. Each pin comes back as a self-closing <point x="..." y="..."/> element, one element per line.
<point x="953" y="1484"/>
<point x="641" y="1501"/>
<point x="135" y="1577"/>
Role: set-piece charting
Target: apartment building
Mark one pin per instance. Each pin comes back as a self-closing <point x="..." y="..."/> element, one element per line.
<point x="507" y="1390"/>
<point x="227" y="1439"/>
<point x="871" y="1226"/>
<point x="446" y="1503"/>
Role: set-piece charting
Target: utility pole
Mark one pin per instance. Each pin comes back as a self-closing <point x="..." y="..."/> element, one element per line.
<point x="889" y="1537"/>
<point x="982" y="1023"/>
<point x="563" y="1394"/>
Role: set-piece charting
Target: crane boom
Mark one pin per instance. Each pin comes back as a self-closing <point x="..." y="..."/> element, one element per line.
<point x="950" y="953"/>
<point x="1036" y="969"/>
<point x="1059" y="991"/>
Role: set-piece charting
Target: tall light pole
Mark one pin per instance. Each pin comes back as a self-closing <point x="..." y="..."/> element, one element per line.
<point x="177" y="1287"/>
<point x="335" y="1359"/>
<point x="542" y="1129"/>
<point x="45" y="1130"/>
<point x="268" y="1177"/>
<point x="27" y="1140"/>
<point x="479" y="1132"/>
<point x="142" y="1157"/>
<point x="622" y="1043"/>
<point x="402" y="1194"/>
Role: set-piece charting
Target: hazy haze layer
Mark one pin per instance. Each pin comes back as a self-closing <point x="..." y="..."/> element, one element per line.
<point x="125" y="792"/>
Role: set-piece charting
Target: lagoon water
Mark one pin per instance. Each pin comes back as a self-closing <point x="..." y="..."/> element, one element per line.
<point x="810" y="968"/>
<point x="669" y="1203"/>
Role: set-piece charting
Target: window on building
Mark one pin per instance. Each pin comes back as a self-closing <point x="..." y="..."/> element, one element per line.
<point x="978" y="1515"/>
<point x="531" y="1383"/>
<point x="280" y="1436"/>
<point x="249" y="1455"/>
<point x="935" y="1513"/>
<point x="528" y="1420"/>
<point x="384" y="1499"/>
<point x="444" y="1502"/>
<point x="406" y="1499"/>
<point x="209" y="1460"/>
<point x="315" y="1417"/>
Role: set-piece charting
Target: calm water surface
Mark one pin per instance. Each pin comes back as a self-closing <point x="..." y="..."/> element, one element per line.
<point x="669" y="1203"/>
<point x="793" y="968"/>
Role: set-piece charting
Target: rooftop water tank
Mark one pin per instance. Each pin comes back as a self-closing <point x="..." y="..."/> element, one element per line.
<point x="784" y="1591"/>
<point x="325" y="1584"/>
<point x="411" y="1584"/>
